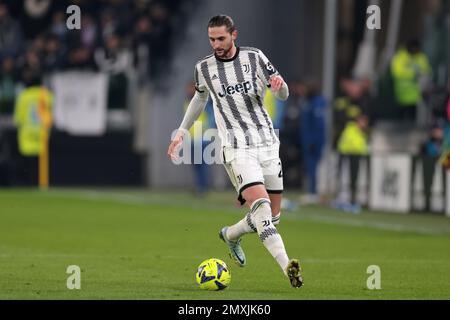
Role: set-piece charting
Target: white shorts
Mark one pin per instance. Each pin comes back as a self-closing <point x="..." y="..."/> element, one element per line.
<point x="249" y="167"/>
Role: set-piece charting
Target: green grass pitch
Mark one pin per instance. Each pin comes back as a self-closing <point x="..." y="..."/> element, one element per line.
<point x="143" y="244"/>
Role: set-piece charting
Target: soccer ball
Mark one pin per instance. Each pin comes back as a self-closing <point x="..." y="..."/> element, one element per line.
<point x="213" y="274"/>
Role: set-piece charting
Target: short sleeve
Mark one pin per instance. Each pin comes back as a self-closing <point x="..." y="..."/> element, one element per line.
<point x="265" y="68"/>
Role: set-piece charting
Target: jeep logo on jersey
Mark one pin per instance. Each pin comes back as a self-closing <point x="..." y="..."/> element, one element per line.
<point x="242" y="87"/>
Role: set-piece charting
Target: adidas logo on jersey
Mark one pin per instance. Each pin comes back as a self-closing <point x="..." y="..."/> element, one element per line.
<point x="214" y="77"/>
<point x="242" y="87"/>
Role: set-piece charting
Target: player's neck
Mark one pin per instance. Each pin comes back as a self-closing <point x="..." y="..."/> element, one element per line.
<point x="234" y="51"/>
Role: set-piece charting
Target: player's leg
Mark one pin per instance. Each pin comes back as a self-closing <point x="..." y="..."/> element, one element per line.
<point x="247" y="176"/>
<point x="246" y="225"/>
<point x="242" y="175"/>
<point x="273" y="176"/>
<point x="244" y="171"/>
<point x="261" y="212"/>
<point x="275" y="205"/>
<point x="242" y="168"/>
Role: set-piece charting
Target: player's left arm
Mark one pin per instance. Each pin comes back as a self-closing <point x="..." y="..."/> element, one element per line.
<point x="272" y="77"/>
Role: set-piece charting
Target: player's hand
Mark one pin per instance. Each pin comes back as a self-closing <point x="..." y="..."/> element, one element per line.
<point x="276" y="82"/>
<point x="174" y="146"/>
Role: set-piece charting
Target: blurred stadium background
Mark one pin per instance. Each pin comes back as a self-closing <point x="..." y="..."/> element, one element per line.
<point x="366" y="128"/>
<point x="113" y="129"/>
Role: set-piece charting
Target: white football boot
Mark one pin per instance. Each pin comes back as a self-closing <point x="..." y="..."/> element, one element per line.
<point x="236" y="252"/>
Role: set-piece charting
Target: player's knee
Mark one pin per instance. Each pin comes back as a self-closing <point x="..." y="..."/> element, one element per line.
<point x="254" y="193"/>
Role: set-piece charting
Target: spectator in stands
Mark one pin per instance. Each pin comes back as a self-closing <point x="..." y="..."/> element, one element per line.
<point x="109" y="24"/>
<point x="122" y="10"/>
<point x="312" y="135"/>
<point x="355" y="98"/>
<point x="142" y="44"/>
<point x="161" y="32"/>
<point x="89" y="33"/>
<point x="31" y="69"/>
<point x="54" y="57"/>
<point x="11" y="37"/>
<point x="431" y="150"/>
<point x="58" y="26"/>
<point x="352" y="145"/>
<point x="38" y="45"/>
<point x="115" y="60"/>
<point x="50" y="46"/>
<point x="80" y="58"/>
<point x="409" y="67"/>
<point x="432" y="147"/>
<point x="9" y="85"/>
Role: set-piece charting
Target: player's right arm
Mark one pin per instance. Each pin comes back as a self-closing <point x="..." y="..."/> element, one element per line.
<point x="193" y="111"/>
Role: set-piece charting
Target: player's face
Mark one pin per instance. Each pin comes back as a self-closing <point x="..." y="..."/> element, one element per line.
<point x="221" y="41"/>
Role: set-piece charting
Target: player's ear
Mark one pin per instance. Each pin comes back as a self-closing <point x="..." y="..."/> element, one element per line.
<point x="234" y="35"/>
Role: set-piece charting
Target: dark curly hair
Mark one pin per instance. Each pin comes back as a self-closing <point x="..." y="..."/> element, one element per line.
<point x="222" y="20"/>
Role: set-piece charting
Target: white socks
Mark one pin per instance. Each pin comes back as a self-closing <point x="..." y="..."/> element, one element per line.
<point x="246" y="225"/>
<point x="271" y="239"/>
<point x="260" y="220"/>
<point x="276" y="219"/>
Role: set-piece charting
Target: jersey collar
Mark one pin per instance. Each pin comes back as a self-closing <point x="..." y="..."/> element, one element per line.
<point x="229" y="59"/>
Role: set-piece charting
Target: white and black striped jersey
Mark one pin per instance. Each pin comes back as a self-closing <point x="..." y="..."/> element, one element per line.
<point x="237" y="87"/>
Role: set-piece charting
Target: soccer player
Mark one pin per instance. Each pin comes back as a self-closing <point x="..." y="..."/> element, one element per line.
<point x="236" y="78"/>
